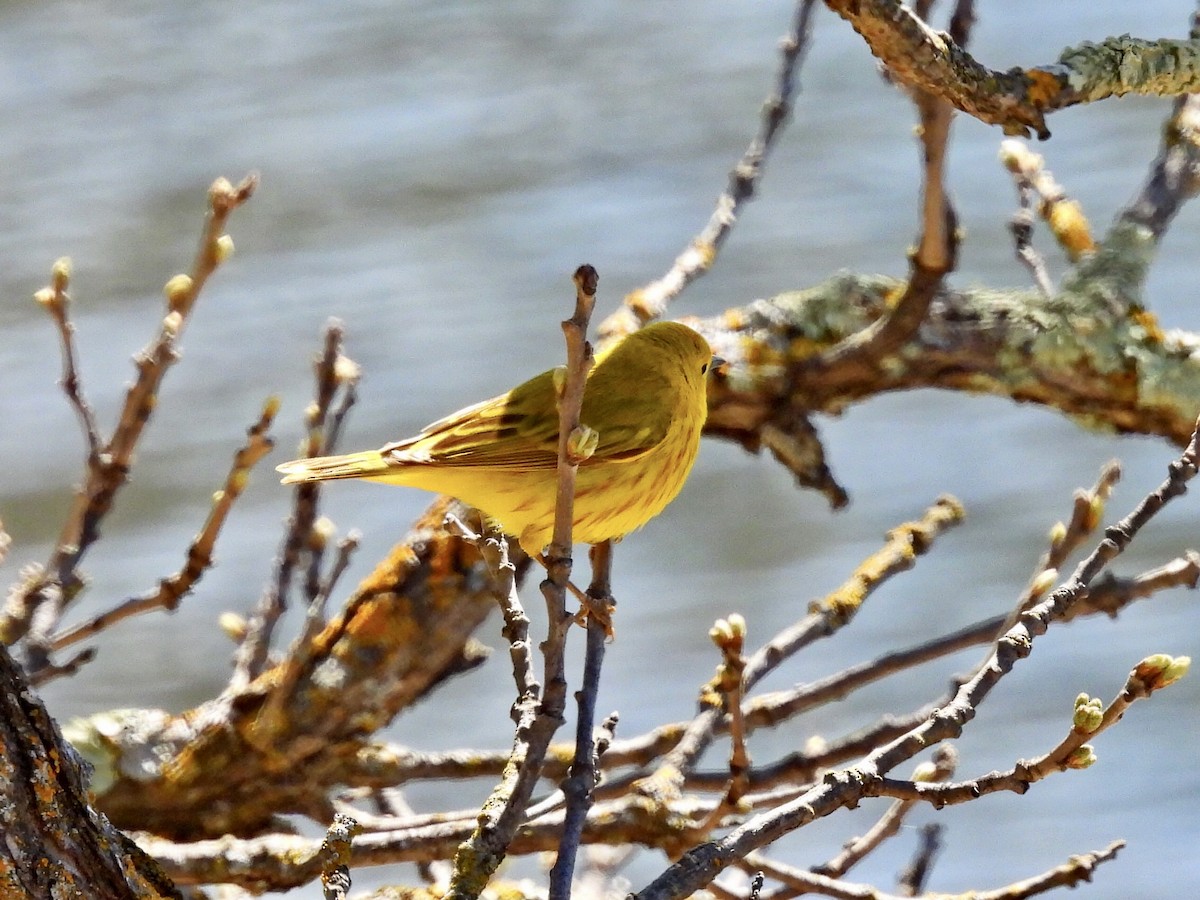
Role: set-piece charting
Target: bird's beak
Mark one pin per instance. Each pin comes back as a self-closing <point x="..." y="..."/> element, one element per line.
<point x="716" y="363"/>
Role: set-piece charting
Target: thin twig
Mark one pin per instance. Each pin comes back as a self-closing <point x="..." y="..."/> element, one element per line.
<point x="280" y="698"/>
<point x="391" y="802"/>
<point x="1071" y="873"/>
<point x="172" y="590"/>
<point x="537" y="717"/>
<point x="1086" y="516"/>
<point x="580" y="782"/>
<point x="839" y="789"/>
<point x="1034" y="181"/>
<point x="1021" y="226"/>
<point x="904" y="543"/>
<point x="935" y="256"/>
<point x="888" y="825"/>
<point x="493" y="545"/>
<point x="348" y="375"/>
<point x="36" y="607"/>
<point x="730" y="637"/>
<point x="650" y="302"/>
<point x="57" y="302"/>
<point x="1073" y="752"/>
<point x="912" y="880"/>
<point x="302" y="536"/>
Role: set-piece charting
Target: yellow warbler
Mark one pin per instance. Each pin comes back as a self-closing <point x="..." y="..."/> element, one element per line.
<point x="646" y="399"/>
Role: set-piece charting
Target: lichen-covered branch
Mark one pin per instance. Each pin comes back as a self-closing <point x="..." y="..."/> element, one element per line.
<point x="1019" y="100"/>
<point x="1103" y="366"/>
<point x="225" y="767"/>
<point x="55" y="844"/>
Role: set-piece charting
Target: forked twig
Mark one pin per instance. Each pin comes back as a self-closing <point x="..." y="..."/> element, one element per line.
<point x="650" y="302"/>
<point x="200" y="553"/>
<point x="35" y="608"/>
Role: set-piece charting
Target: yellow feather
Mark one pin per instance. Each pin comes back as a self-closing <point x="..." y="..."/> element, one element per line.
<point x="646" y="397"/>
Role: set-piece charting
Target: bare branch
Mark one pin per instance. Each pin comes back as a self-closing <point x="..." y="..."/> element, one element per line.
<point x="579" y="786"/>
<point x="172" y="590"/>
<point x="904" y="544"/>
<point x="650" y="302"/>
<point x="698" y="866"/>
<point x="1071" y="873"/>
<point x="303" y="534"/>
<point x="56" y="301"/>
<point x="46" y="597"/>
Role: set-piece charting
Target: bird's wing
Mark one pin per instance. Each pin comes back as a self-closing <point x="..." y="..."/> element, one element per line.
<point x="504" y="432"/>
<point x="628" y="431"/>
<point x="519" y="430"/>
<point x="627" y="407"/>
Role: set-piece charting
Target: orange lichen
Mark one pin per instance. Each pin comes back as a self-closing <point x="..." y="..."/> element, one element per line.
<point x="891" y="296"/>
<point x="1044" y="87"/>
<point x="734" y="319"/>
<point x="1148" y="321"/>
<point x="636" y="301"/>
<point x="707" y="251"/>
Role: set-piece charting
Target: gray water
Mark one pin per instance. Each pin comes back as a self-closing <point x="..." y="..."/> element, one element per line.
<point x="431" y="174"/>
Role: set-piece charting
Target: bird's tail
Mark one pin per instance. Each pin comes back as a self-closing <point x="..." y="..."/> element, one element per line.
<point x="323" y="468"/>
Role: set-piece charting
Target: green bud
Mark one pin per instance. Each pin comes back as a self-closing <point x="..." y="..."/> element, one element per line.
<point x="1177" y="669"/>
<point x="178" y="290"/>
<point x="924" y="773"/>
<point x="1043" y="582"/>
<point x="1058" y="534"/>
<point x="1082" y="758"/>
<point x="1089" y="714"/>
<point x="582" y="443"/>
<point x="224" y="248"/>
<point x="1159" y="670"/>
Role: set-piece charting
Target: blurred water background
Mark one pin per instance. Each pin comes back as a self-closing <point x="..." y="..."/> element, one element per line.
<point x="431" y="174"/>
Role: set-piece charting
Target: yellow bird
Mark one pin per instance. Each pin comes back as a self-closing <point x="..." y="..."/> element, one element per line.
<point x="645" y="396"/>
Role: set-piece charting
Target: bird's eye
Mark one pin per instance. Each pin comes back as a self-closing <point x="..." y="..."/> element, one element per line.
<point x="704" y="368"/>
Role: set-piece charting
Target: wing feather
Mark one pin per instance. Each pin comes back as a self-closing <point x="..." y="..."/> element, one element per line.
<point x="516" y="432"/>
